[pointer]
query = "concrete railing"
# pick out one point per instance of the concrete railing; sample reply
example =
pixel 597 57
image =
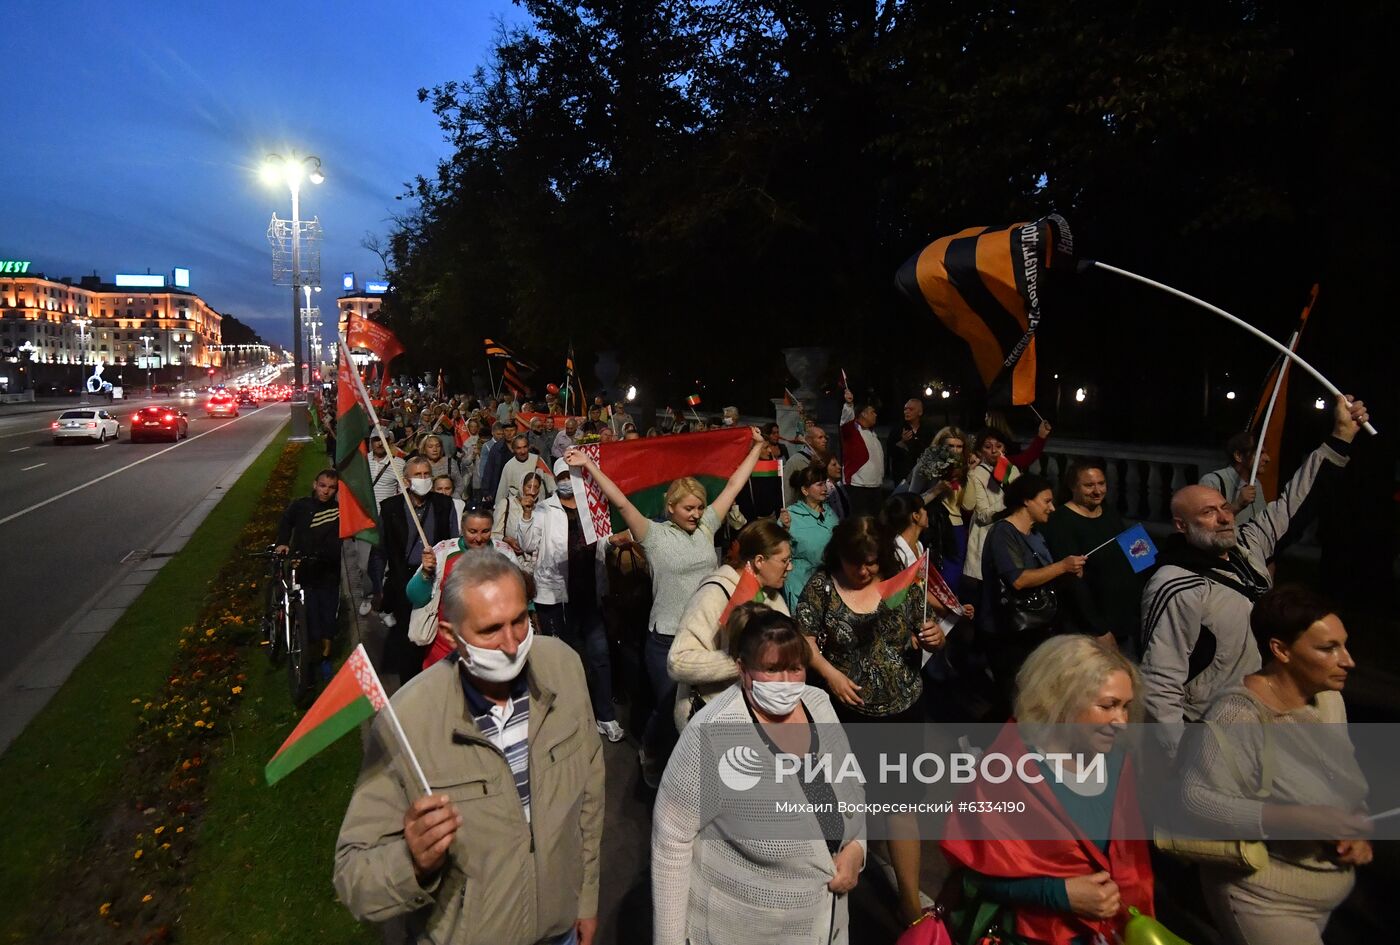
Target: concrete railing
pixel 22 397
pixel 1141 477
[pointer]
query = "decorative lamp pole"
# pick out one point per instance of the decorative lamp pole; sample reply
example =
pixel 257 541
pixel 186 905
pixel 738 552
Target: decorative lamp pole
pixel 292 170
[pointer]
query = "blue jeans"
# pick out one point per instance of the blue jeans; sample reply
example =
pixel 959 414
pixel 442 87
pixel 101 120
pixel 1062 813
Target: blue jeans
pixel 568 938
pixel 660 734
pixel 582 628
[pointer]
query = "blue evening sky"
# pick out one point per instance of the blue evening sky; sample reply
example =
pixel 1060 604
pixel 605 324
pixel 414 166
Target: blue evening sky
pixel 133 132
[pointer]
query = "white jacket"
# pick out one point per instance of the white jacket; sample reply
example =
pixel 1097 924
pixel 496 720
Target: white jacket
pixel 548 542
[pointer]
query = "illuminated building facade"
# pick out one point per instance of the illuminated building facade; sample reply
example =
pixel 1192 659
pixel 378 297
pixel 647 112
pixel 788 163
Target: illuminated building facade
pixel 58 322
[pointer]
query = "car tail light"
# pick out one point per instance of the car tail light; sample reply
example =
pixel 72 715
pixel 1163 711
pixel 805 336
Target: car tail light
pixel 54 425
pixel 168 417
pixel 92 424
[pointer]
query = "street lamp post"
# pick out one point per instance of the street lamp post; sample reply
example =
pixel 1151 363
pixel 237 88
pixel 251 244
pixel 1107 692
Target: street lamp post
pixel 148 339
pixel 290 170
pixel 185 362
pixel 82 324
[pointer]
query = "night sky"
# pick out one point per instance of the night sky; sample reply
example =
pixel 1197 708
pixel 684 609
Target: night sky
pixel 134 132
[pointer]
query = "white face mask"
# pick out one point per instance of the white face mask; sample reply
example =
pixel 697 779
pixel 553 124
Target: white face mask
pixel 777 699
pixel 564 486
pixel 421 485
pixel 495 666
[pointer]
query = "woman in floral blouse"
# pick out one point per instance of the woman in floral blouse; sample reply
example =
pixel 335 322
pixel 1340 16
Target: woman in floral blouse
pixel 868 654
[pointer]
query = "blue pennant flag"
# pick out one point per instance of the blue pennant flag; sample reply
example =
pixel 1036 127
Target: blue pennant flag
pixel 1137 545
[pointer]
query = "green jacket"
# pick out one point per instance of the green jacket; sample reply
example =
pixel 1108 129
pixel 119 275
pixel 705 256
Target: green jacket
pixel 506 881
pixel 809 538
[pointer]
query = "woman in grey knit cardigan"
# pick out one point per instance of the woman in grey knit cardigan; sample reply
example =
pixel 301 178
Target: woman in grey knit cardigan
pixel 1278 775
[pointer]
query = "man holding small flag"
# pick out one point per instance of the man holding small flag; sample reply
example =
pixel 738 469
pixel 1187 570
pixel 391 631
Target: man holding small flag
pixel 503 849
pixel 862 457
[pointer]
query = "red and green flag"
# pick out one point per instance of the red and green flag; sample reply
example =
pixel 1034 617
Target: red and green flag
pixel 767 469
pixel 894 590
pixel 693 400
pixel 747 591
pixel 643 469
pixel 355 694
pixel 356 494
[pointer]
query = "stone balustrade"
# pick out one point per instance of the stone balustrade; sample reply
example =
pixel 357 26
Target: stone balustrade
pixel 1141 477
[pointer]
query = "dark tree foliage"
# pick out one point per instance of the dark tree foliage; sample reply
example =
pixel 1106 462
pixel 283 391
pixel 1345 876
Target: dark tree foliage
pixel 698 184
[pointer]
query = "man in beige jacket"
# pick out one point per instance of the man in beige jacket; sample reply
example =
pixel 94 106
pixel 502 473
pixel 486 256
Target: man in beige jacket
pixel 504 850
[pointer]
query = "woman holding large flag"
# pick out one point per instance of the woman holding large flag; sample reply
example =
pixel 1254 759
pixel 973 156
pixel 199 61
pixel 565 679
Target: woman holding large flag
pixel 699 661
pixel 1068 865
pixel 681 552
pixel 866 635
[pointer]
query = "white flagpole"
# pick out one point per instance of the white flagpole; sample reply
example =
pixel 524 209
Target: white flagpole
pixel 1292 356
pixel 394 722
pixel 925 590
pixel 388 450
pixel 1269 412
pixel 1104 545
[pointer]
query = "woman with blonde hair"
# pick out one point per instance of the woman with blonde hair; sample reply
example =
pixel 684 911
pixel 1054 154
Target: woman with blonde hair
pixel 699 661
pixel 1075 794
pixel 681 552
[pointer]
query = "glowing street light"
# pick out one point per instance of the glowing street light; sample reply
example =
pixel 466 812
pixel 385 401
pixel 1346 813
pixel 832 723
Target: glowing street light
pixel 1319 404
pixel 291 171
pixel 1079 395
pixel 82 324
pixel 631 392
pixel 928 390
pixel 1229 395
pixel 945 395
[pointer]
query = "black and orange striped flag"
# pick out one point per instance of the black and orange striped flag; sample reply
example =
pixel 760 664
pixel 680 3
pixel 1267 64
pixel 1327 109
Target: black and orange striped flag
pixel 494 350
pixel 986 284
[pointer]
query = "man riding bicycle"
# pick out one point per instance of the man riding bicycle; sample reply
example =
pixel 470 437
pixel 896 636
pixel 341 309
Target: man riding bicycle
pixel 310 529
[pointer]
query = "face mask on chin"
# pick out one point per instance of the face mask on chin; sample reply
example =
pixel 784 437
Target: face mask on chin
pixel 420 485
pixel 494 666
pixel 777 699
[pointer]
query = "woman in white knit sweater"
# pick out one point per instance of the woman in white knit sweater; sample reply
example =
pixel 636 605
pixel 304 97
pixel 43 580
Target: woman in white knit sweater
pixel 718 874
pixel 699 660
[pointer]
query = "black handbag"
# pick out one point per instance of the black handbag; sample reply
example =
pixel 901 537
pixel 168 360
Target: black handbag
pixel 1033 610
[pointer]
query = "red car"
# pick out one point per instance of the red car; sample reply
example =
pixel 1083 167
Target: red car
pixel 159 423
pixel 222 404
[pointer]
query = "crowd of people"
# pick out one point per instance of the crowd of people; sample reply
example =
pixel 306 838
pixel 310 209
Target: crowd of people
pixel 507 628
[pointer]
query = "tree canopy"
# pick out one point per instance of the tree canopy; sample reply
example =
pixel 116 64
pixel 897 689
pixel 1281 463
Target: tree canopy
pixel 702 181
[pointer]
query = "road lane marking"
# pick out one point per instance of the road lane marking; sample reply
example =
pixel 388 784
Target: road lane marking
pixel 102 447
pixel 20 450
pixel 6 436
pixel 92 482
pixel 35 466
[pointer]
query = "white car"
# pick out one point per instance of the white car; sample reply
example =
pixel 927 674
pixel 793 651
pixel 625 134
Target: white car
pixel 88 423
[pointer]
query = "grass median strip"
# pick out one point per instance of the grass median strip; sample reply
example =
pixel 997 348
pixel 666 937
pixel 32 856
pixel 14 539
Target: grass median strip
pixel 261 870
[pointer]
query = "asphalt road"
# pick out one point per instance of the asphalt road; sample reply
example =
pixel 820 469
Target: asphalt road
pixel 73 517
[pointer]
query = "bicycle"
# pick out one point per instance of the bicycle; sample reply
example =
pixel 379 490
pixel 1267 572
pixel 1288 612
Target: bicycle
pixel 284 630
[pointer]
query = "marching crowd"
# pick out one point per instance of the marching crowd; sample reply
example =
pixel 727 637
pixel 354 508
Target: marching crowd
pixel 507 629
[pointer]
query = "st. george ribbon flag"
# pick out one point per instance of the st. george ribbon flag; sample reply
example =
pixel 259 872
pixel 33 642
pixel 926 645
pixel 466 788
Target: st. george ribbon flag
pixel 987 285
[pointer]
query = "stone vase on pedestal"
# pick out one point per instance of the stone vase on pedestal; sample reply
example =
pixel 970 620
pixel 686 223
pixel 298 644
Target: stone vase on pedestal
pixel 807 365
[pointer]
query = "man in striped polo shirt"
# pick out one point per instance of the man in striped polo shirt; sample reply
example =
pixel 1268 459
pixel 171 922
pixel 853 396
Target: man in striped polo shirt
pixel 504 849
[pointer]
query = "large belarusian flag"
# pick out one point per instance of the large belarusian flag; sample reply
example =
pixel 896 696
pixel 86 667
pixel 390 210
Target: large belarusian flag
pixel 895 589
pixel 354 695
pixel 643 469
pixel 356 495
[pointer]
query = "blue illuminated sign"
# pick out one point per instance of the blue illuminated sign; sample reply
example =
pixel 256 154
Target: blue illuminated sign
pixel 376 288
pixel 347 282
pixel 182 278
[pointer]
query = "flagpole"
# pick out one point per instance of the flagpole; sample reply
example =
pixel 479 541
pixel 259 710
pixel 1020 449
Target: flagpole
pixel 490 376
pixel 1317 375
pixel 388 450
pixel 925 590
pixel 1036 412
pixel 1268 414
pixel 393 717
pixel 1104 545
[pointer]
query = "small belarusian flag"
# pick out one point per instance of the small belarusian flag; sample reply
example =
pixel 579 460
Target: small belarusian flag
pixel 747 591
pixel 355 694
pixel 767 469
pixel 1001 470
pixel 894 590
pixel 693 400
